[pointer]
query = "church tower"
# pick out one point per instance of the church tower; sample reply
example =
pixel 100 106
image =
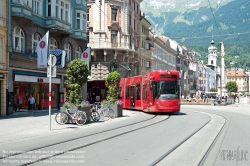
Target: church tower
pixel 212 55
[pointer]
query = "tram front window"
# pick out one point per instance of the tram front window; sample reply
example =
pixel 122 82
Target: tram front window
pixel 164 90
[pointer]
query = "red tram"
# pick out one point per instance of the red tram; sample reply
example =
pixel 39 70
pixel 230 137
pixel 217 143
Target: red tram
pixel 156 91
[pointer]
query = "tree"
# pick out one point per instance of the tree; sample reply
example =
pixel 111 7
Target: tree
pixel 213 90
pixel 112 82
pixel 231 86
pixel 77 73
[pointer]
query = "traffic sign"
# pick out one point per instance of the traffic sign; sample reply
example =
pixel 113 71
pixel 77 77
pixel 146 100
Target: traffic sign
pixel 53 60
pixel 51 71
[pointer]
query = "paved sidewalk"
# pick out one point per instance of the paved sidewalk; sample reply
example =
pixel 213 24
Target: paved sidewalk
pixel 25 125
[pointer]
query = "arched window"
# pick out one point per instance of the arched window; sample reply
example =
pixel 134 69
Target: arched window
pixel 78 52
pixel 18 39
pixel 67 49
pixel 35 39
pixel 52 44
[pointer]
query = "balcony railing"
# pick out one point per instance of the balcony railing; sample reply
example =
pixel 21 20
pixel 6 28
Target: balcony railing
pixel 24 54
pixel 107 44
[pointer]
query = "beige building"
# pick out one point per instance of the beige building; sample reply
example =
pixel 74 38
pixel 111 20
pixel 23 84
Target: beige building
pixel 145 52
pixel 241 78
pixel 3 56
pixel 114 38
pixel 164 56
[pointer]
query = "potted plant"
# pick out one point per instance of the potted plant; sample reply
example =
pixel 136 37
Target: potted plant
pixel 77 73
pixel 112 83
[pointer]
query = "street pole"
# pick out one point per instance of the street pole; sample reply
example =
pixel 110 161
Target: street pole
pixel 50 93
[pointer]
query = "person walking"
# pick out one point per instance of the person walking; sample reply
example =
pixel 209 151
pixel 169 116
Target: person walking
pixel 237 100
pixel 31 101
pixel 93 98
pixel 218 100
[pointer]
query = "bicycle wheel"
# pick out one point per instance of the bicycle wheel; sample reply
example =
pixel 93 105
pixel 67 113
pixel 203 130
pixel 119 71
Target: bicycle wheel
pixel 61 118
pixel 95 116
pixel 111 113
pixel 105 114
pixel 81 119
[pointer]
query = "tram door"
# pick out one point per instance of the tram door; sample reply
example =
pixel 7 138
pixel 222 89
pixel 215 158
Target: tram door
pixel 132 96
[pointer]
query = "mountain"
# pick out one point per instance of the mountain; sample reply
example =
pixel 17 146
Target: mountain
pixel 195 23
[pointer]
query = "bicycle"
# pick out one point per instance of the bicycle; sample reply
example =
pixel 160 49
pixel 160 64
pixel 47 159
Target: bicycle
pixel 94 114
pixel 79 117
pixel 106 112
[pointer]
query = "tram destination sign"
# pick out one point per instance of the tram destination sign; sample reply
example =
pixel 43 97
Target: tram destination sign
pixel 168 76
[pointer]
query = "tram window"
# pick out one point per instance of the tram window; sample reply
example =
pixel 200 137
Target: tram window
pixel 120 93
pixel 127 92
pixel 144 90
pixel 138 92
pixel 167 87
pixel 154 90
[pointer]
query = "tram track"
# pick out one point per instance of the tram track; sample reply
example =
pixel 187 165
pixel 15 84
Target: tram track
pixel 160 160
pixel 148 122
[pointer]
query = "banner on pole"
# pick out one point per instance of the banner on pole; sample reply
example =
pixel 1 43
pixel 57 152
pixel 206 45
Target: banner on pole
pixel 86 55
pixel 42 51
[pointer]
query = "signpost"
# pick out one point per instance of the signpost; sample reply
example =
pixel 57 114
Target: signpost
pixel 51 72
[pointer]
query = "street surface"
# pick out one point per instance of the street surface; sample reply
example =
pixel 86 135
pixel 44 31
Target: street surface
pixel 198 135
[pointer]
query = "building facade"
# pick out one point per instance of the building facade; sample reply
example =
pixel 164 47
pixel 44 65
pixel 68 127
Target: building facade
pixel 114 38
pixel 30 20
pixel 3 55
pixel 145 53
pixel 241 79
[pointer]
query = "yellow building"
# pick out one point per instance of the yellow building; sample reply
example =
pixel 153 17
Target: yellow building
pixel 3 56
pixel 145 52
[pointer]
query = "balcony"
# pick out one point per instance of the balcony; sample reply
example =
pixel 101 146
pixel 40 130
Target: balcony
pixel 20 9
pixel 112 45
pixel 24 55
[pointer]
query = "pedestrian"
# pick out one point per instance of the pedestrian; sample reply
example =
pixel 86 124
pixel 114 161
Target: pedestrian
pixel 225 99
pixel 31 102
pixel 218 100
pixel 205 98
pixel 88 98
pixel 236 100
pixel 93 98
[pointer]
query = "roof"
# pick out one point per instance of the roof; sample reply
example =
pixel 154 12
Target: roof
pixel 236 73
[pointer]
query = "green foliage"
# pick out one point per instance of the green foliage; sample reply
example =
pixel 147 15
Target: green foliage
pixel 213 90
pixel 197 36
pixel 232 86
pixel 231 51
pixel 77 73
pixel 112 82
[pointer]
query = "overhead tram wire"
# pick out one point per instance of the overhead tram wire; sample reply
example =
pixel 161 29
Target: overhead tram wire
pixel 213 16
pixel 234 34
pixel 184 37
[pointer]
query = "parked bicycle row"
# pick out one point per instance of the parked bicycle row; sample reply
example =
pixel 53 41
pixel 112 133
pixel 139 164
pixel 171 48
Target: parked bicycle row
pixel 98 112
